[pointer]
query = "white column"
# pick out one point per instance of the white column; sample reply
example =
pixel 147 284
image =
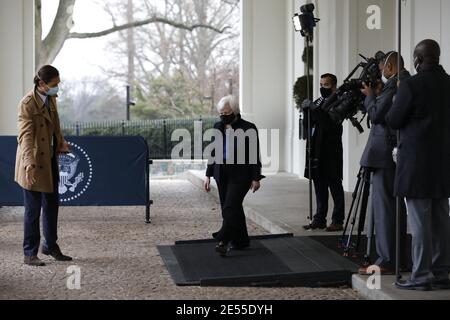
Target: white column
pixel 263 66
pixel 425 20
pixel 16 59
pixel 445 34
pixel 246 73
pixel 295 148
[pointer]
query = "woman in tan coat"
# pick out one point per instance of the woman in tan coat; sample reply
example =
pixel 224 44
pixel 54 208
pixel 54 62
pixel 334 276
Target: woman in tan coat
pixel 39 142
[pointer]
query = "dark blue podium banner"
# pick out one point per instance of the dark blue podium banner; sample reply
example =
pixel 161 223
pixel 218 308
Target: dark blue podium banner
pixel 100 171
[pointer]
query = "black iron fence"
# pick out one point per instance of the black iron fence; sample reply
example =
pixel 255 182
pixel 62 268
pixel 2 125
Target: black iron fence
pixel 158 133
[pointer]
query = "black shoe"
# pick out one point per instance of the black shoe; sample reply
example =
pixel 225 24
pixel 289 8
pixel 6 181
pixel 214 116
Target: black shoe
pixel 222 249
pixel 412 285
pixel 33 261
pixel 443 284
pixel 315 225
pixel 56 254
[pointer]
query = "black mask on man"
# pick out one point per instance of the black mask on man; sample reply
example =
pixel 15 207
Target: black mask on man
pixel 326 92
pixel 228 119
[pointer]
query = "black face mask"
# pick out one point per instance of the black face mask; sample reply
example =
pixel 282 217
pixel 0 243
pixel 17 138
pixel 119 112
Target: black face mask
pixel 228 119
pixel 326 92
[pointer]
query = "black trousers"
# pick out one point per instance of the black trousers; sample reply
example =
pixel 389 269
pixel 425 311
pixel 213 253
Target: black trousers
pixel 321 186
pixel 234 226
pixel 34 202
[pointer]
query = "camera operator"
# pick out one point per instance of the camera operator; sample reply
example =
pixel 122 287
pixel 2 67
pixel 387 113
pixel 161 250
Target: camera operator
pixel 377 158
pixel 327 158
pixel 421 112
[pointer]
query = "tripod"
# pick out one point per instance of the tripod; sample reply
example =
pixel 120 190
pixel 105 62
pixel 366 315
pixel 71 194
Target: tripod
pixel 359 205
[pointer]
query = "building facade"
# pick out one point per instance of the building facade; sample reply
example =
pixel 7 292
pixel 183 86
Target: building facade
pixel 270 60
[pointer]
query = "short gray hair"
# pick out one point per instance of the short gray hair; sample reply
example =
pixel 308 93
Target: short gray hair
pixel 231 101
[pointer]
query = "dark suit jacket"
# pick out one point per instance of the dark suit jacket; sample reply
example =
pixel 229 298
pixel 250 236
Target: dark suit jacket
pixel 382 139
pixel 239 173
pixel 421 112
pixel 326 144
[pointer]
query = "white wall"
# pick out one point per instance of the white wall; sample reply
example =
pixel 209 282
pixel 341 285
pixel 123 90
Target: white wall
pixel 426 20
pixel 16 58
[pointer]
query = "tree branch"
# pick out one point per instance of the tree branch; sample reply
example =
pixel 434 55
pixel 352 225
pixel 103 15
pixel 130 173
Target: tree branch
pixel 54 41
pixel 38 29
pixel 75 35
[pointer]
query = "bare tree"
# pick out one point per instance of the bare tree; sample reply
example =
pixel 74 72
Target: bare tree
pixel 163 51
pixel 48 48
pixel 207 60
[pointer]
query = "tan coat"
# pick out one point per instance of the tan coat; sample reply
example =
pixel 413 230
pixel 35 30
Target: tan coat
pixel 36 130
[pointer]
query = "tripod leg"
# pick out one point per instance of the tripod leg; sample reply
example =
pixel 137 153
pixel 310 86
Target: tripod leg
pixel 348 245
pixel 370 233
pixel 354 196
pixel 363 211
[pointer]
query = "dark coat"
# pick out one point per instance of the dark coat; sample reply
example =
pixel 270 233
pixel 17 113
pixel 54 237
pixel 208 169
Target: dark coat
pixel 421 112
pixel 239 173
pixel 326 142
pixel 382 139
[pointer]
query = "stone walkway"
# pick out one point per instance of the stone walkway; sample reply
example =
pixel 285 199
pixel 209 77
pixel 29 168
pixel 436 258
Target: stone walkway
pixel 116 252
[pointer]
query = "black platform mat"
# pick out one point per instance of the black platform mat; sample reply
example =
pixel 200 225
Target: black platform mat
pixel 333 243
pixel 281 260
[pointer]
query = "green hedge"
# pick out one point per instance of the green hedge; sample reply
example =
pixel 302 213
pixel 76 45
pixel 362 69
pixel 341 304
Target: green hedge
pixel 158 133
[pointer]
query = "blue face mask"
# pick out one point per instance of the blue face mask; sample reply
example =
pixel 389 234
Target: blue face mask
pixel 53 91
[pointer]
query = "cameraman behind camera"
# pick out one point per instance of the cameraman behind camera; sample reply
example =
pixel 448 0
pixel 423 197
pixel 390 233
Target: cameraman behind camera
pixel 377 158
pixel 327 158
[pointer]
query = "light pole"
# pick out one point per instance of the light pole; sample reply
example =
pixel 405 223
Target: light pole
pixel 129 102
pixel 305 23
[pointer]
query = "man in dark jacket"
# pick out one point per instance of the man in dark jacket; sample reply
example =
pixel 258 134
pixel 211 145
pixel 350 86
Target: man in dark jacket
pixel 377 158
pixel 422 114
pixel 327 159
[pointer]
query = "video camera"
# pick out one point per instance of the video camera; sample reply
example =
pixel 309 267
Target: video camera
pixel 305 22
pixel 345 103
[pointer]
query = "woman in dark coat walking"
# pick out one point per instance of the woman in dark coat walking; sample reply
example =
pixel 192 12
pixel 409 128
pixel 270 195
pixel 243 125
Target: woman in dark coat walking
pixel 236 169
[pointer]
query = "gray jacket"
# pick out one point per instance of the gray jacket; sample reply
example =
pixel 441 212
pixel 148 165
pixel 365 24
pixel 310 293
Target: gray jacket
pixel 382 139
